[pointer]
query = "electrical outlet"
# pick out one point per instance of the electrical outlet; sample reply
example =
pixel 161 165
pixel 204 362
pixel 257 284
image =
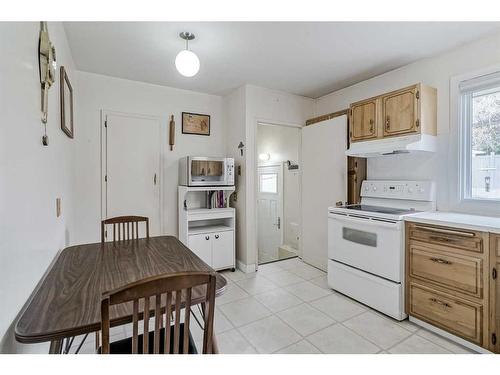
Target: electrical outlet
pixel 58 207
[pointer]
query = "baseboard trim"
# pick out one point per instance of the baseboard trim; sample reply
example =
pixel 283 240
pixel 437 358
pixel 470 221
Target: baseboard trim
pixel 449 336
pixel 246 268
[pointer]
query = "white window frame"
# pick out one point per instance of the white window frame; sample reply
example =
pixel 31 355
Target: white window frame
pixel 464 89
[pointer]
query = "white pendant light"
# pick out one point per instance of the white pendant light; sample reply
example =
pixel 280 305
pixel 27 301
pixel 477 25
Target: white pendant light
pixel 186 62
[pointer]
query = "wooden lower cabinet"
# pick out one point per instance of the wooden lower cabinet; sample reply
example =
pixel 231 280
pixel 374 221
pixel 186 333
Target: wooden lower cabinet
pixel 494 313
pixel 456 315
pixel 450 281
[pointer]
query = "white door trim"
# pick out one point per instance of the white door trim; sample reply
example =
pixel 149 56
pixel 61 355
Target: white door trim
pixel 256 180
pixel 162 148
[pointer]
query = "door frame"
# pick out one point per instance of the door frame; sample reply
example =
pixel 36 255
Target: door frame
pixel 104 152
pixel 256 181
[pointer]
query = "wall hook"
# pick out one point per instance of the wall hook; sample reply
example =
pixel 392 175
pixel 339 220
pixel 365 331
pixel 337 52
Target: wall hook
pixel 240 147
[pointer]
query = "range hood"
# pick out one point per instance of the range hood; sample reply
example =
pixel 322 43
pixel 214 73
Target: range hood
pixel 415 143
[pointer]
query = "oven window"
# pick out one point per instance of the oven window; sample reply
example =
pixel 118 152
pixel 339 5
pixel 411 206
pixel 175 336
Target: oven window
pixel 359 236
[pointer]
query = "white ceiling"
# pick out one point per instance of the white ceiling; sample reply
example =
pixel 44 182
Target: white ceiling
pixel 306 58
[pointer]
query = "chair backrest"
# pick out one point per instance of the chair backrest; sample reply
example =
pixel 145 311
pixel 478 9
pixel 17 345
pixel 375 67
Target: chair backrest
pixel 124 227
pixel 147 300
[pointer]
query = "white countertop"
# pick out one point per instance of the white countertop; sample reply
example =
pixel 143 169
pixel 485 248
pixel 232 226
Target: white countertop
pixel 453 219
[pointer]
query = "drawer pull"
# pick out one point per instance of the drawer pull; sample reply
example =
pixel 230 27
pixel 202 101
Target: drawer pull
pixel 216 236
pixel 440 261
pixel 445 231
pixel 444 304
pixel 441 239
pixel 207 237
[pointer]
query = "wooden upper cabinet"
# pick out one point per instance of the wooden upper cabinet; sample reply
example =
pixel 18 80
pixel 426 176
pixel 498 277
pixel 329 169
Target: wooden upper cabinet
pixel 411 110
pixel 400 112
pixel 363 122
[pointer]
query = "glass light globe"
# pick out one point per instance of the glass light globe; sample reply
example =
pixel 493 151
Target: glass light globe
pixel 187 63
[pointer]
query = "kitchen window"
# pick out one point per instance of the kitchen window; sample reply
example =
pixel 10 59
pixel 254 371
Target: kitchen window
pixel 480 137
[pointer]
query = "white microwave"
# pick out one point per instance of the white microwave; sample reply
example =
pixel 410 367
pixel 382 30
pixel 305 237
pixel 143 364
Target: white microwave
pixel 206 171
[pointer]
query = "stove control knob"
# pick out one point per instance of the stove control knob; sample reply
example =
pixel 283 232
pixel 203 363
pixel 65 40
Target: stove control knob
pixel 367 188
pixel 410 190
pixel 421 190
pixel 374 188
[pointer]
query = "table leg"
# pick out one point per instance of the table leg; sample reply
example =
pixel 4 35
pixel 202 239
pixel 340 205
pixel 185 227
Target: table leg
pixel 55 346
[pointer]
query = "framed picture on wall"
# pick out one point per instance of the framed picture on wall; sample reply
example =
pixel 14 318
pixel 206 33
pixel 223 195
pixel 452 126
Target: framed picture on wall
pixel 195 123
pixel 66 104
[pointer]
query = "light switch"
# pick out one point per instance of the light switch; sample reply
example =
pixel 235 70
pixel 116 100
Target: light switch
pixel 58 207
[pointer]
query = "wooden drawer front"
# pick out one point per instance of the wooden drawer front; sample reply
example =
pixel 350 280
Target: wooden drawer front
pixel 449 237
pixel 458 272
pixel 496 244
pixel 460 317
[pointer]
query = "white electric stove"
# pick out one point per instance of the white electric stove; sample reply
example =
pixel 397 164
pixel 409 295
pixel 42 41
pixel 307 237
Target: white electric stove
pixel 366 242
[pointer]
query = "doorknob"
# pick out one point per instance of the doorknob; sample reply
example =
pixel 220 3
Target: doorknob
pixel 278 224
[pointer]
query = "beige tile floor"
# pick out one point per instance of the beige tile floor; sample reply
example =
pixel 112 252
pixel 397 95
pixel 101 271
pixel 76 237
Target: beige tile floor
pixel 287 307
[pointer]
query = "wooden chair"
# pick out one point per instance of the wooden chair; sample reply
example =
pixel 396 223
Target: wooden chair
pixel 124 227
pixel 147 295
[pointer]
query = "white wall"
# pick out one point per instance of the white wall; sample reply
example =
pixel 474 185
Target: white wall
pixel 274 107
pixel 244 108
pixel 234 106
pixel 282 143
pixel 437 71
pixel 98 92
pixel 31 176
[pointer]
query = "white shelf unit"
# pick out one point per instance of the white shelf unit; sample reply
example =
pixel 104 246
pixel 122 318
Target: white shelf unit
pixel 208 232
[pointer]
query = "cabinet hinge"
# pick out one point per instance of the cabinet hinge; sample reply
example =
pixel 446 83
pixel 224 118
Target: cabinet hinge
pixel 106 178
pixel 417 95
pixel 494 338
pixel 494 273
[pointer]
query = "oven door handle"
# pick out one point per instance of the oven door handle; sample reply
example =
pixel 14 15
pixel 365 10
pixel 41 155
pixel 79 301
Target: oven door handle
pixel 365 221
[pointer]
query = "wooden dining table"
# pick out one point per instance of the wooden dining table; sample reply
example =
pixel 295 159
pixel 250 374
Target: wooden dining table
pixel 67 302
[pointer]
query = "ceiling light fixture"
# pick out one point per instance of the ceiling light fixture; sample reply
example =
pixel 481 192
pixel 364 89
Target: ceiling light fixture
pixel 186 62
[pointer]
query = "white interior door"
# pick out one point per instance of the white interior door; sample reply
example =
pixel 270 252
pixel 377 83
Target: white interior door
pixel 269 211
pixel 133 168
pixel 324 182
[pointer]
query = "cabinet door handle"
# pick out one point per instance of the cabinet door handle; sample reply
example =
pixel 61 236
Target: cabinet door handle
pixel 435 300
pixel 441 239
pixel 440 261
pixel 371 125
pixel 207 237
pixel 445 231
pixel 387 123
pixel 216 236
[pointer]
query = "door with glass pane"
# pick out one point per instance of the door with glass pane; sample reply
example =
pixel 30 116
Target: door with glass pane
pixel 270 212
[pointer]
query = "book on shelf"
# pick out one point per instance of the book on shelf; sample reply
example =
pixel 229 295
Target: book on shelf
pixel 216 199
